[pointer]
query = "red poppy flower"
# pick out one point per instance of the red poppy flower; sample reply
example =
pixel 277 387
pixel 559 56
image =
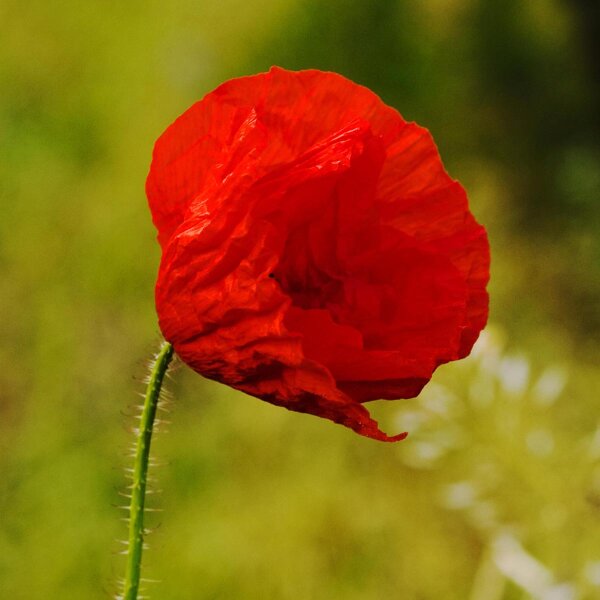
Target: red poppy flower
pixel 316 254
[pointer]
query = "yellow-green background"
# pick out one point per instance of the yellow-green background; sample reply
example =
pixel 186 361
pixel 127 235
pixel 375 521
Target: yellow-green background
pixel 502 464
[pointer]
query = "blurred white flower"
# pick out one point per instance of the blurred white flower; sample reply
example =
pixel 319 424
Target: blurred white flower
pixel 519 566
pixel 422 455
pixel 562 591
pixel 459 495
pixel 513 374
pixel 592 572
pixel 488 344
pixel 549 386
pixel 410 420
pixel 440 400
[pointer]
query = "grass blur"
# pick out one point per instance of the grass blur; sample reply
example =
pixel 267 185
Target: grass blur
pixel 496 493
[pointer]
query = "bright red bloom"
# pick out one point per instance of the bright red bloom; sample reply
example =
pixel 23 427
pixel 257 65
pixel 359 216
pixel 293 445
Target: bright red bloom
pixel 316 254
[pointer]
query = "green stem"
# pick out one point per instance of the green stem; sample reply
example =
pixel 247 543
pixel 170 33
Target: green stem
pixel 140 472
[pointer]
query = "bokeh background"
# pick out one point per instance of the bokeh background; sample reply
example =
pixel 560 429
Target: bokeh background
pixel 496 493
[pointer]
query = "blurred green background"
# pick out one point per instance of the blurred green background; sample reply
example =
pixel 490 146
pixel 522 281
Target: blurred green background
pixel 496 493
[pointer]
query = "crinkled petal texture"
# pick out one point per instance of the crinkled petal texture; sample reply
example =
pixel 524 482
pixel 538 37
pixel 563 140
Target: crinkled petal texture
pixel 315 252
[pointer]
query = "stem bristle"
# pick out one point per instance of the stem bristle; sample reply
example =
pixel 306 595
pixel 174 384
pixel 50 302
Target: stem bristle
pixel 155 398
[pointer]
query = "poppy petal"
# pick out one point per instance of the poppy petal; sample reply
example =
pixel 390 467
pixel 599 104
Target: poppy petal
pixel 316 254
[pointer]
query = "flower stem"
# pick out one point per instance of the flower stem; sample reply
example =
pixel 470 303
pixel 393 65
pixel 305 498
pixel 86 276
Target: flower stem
pixel 140 472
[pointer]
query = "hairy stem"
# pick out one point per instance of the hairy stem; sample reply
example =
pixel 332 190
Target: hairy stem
pixel 140 472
